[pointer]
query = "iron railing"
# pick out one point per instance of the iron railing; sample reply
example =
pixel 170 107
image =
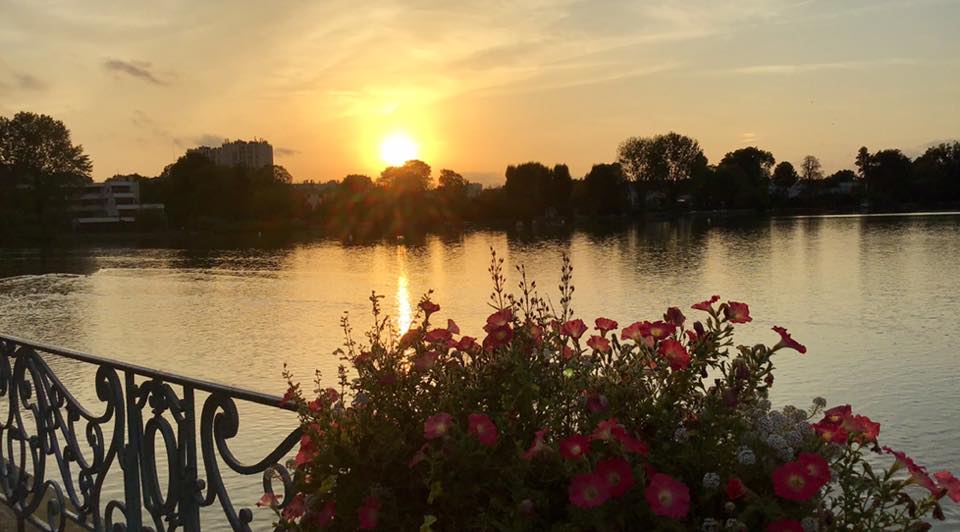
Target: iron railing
pixel 42 423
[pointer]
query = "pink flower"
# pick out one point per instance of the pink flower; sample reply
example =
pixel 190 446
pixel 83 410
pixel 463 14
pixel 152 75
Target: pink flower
pixel 536 332
pixel 918 473
pixel 499 318
pixel 467 344
pixel 863 428
pixel 288 398
pixel 588 490
pixel 787 341
pixel 785 525
pixel 574 447
pixel 536 446
pixel 634 332
pixel 599 344
pixel 294 508
pixel 498 337
pixel 950 483
pixel 425 361
pixel 674 316
pixel 607 430
pixel 369 513
pixel 308 449
pixel 573 328
pixel 418 456
pixel 659 330
pixel 596 402
pixel 706 305
pixel 605 325
pixel 437 426
pixel 830 432
pixel 618 475
pixel 676 355
pixel 453 327
pixel 483 429
pixel 268 500
pixel 790 481
pixel 438 336
pixel 632 444
pixel 837 414
pixel 667 496
pixel 816 468
pixel 429 307
pixel 737 312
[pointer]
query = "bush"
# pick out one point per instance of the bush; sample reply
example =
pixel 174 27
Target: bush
pixel 544 425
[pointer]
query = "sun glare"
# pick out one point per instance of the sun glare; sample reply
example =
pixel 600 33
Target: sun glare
pixel 398 148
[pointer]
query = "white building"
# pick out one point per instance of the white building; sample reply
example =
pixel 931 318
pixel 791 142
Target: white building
pixel 113 202
pixel 255 153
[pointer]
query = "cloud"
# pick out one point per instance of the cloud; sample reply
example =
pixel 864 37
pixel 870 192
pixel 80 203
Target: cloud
pixel 800 68
pixel 285 152
pixel 748 138
pixel 137 69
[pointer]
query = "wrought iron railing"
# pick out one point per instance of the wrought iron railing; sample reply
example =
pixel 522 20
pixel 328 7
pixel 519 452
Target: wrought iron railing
pixel 44 426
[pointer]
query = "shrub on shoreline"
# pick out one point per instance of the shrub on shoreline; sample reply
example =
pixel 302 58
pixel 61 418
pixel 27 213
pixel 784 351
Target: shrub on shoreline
pixel 549 424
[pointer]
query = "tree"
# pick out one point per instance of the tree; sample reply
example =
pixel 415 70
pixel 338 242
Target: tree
pixel 810 168
pixel 888 177
pixel 603 189
pixel 741 180
pixel 785 175
pixel 662 158
pixel 863 161
pixel 937 173
pixel 413 176
pixel 451 180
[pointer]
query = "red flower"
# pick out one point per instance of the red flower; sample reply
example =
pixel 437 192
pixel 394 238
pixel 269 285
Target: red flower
pixel 467 344
pixel 425 361
pixel 498 337
pixel 617 474
pixel 737 312
pixel 785 525
pixel 735 488
pixel 837 414
pixel 950 483
pixel 308 449
pixel 596 402
pixel 675 353
pixel 483 429
pixel 573 328
pixel 607 429
pixel 268 500
pixel 605 325
pixel 499 318
pixel 706 305
pixel 631 444
pixel 429 307
pixel 599 343
pixel 409 338
pixel 438 335
pixel 863 428
pixel 667 496
pixel 659 329
pixel 573 447
pixel 290 395
pixel 816 468
pixel 453 327
pixel 790 481
pixel 787 341
pixel 536 332
pixel 674 316
pixel 831 433
pixel 918 473
pixel 633 332
pixel 437 426
pixel 536 446
pixel 588 490
pixel 369 513
pixel 294 508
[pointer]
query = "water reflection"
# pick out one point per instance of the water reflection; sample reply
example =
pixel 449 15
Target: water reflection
pixel 404 314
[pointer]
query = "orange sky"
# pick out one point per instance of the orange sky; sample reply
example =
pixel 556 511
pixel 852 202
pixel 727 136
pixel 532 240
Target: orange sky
pixel 485 84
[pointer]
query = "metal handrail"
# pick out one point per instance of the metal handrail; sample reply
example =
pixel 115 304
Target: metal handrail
pixel 45 420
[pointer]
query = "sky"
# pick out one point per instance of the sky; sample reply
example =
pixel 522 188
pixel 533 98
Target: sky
pixel 480 85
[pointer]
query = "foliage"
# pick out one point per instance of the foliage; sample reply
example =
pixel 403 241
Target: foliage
pixel 811 169
pixel 661 158
pixel 412 177
pixel 546 425
pixel 785 175
pixel 604 190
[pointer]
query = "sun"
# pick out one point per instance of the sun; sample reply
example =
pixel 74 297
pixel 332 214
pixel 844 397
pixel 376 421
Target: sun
pixel 398 148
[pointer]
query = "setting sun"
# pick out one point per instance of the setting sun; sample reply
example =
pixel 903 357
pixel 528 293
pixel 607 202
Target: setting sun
pixel 398 148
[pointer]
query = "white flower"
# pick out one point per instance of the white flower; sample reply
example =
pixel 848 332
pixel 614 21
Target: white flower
pixel 765 424
pixel 746 457
pixel 730 507
pixel 734 524
pixel 776 441
pixel 711 481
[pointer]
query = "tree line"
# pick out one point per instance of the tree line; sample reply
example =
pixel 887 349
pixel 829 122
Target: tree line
pixel 40 166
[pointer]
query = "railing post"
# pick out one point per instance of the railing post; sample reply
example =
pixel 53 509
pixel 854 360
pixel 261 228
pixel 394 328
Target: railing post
pixel 190 492
pixel 131 457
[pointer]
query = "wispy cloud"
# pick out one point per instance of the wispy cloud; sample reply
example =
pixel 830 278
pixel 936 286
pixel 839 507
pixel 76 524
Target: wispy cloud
pixel 748 138
pixel 285 152
pixel 137 69
pixel 801 68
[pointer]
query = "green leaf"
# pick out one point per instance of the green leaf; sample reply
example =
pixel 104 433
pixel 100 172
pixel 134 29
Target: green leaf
pixel 436 490
pixel 428 521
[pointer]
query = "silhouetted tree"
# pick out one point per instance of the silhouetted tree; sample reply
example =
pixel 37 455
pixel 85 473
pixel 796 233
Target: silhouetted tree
pixel 672 157
pixel 937 173
pixel 604 190
pixel 741 180
pixel 785 175
pixel 528 189
pixel 863 161
pixel 887 176
pixel 413 176
pixel 810 168
pixel 451 180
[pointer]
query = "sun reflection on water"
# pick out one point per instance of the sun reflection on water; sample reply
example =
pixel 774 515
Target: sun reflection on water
pixel 404 314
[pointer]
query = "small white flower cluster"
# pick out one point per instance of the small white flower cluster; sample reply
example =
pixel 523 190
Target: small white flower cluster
pixel 734 524
pixel 782 431
pixel 711 481
pixel 745 456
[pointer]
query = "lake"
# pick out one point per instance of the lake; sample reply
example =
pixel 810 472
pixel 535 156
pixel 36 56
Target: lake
pixel 876 299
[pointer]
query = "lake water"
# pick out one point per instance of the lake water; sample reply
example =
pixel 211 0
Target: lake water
pixel 875 298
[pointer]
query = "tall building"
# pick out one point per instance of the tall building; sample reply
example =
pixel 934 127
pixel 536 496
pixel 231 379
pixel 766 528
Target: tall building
pixel 255 153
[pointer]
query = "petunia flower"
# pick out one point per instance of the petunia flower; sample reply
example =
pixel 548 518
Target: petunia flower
pixel 605 325
pixel 676 355
pixel 573 328
pixel 428 307
pixel 735 488
pixel 294 508
pixel 453 327
pixel 675 316
pixel 737 312
pixel 467 344
pixel 634 332
pixel 918 473
pixel 588 490
pixel 369 513
pixel 499 318
pixel 658 330
pixel 483 429
pixel 816 468
pixel 498 337
pixel 438 336
pixel 830 432
pixel 667 496
pixel 790 482
pixel 537 446
pixel 787 341
pixel 618 475
pixel 599 344
pixel 607 430
pixel 706 305
pixel 425 361
pixel 437 425
pixel 573 447
pixel 268 500
pixel 947 481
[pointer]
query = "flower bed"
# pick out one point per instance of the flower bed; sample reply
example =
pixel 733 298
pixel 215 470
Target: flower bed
pixel 546 423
